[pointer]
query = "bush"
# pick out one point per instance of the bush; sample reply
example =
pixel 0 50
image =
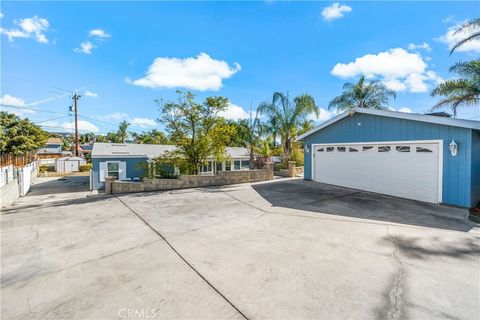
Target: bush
pixel 43 168
pixel 85 167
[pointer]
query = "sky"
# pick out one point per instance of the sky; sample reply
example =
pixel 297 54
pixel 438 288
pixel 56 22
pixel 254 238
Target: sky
pixel 121 56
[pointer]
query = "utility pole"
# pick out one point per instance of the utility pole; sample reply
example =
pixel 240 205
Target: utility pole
pixel 75 106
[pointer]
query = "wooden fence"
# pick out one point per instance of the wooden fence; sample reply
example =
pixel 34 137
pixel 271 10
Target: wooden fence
pixel 7 159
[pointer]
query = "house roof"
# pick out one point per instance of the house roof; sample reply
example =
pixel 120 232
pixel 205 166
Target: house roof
pixel 134 150
pixel 54 141
pixel 470 124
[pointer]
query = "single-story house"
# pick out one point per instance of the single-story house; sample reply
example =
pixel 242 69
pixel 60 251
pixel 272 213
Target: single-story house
pixel 51 151
pixel 127 161
pixel 421 157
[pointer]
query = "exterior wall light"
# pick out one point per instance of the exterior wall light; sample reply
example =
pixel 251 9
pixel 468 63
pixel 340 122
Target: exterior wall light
pixel 307 149
pixel 453 147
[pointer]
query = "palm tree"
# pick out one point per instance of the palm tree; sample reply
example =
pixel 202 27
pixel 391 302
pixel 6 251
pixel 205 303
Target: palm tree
pixel 463 91
pixel 363 94
pixel 289 116
pixel 252 130
pixel 122 133
pixel 474 26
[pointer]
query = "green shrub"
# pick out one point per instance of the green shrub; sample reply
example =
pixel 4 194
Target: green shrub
pixel 43 168
pixel 85 167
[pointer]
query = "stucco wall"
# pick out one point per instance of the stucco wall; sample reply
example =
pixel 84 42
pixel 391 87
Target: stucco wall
pixel 222 178
pixel 457 171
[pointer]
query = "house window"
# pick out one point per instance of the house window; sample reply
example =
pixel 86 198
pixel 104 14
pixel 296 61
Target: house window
pixel 236 164
pixel 367 148
pixel 402 148
pixel 383 148
pixel 228 165
pixel 352 149
pixel 219 166
pixel 320 150
pixel 330 149
pixel 113 169
pixel 341 149
pixel 245 164
pixel 207 167
pixel 422 149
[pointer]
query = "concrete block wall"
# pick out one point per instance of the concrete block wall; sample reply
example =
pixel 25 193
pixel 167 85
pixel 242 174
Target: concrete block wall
pixel 222 178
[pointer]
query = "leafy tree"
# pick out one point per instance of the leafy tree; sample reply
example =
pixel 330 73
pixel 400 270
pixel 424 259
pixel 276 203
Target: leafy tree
pixel 472 25
pixel 363 94
pixel 288 116
pixel 240 138
pixel 101 138
pixel 153 136
pixel 20 136
pixel 464 91
pixel 196 129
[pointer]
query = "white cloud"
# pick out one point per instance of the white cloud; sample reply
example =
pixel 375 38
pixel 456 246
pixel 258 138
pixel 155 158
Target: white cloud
pixel 234 112
pixel 85 47
pixel 90 94
pixel 323 115
pixel 83 125
pixel 398 69
pixel 451 38
pixel 403 109
pixel 14 102
pixel 98 33
pixel 335 11
pixel 143 122
pixel 197 73
pixel 425 46
pixel 29 28
pixel 1 15
pixel 117 116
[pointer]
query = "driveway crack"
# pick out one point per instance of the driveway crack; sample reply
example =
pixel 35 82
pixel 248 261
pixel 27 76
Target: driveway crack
pixel 396 292
pixel 184 259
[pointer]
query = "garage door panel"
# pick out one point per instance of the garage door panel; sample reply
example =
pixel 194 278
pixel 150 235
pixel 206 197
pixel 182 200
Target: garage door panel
pixel 410 174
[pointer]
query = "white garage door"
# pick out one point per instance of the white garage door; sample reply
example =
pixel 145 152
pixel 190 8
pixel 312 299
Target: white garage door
pixel 407 170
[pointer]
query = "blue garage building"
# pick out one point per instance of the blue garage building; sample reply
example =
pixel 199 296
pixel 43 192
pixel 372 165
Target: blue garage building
pixel 421 157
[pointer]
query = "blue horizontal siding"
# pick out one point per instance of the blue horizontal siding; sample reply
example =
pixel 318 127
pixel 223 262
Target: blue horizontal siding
pixel 457 171
pixel 133 166
pixel 475 167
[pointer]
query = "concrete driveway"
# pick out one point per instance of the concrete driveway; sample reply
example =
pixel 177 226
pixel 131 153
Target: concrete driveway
pixel 286 249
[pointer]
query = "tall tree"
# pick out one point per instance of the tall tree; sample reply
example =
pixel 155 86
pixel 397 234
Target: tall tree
pixel 288 116
pixel 153 136
pixel 122 133
pixel 363 94
pixel 19 136
pixel 471 30
pixel 196 129
pixel 464 91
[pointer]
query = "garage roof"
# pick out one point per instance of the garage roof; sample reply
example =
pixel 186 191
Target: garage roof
pixel 135 150
pixel 470 124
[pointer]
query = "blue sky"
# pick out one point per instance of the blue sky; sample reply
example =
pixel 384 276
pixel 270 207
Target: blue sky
pixel 123 55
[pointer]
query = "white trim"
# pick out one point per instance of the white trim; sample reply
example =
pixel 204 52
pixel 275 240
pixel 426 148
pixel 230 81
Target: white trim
pixel 440 156
pixel 470 124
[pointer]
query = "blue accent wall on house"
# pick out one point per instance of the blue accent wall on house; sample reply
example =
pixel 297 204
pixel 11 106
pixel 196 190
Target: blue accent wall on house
pixel 133 166
pixel 460 173
pixel 475 167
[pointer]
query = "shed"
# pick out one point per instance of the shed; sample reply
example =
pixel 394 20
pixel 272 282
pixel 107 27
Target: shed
pixel 421 157
pixel 69 164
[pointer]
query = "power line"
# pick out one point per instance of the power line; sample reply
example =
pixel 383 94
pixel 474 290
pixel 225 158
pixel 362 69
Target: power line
pixel 25 108
pixel 37 122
